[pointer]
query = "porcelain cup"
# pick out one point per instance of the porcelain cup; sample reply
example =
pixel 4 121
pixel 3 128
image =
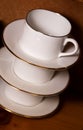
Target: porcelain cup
pixel 45 35
pixel 32 73
pixel 21 97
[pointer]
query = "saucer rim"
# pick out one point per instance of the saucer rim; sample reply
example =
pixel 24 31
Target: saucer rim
pixel 35 93
pixel 57 69
pixel 56 102
pixel 37 64
pixel 29 84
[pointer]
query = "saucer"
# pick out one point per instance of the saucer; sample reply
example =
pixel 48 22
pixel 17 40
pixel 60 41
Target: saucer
pixel 46 107
pixel 11 36
pixel 54 86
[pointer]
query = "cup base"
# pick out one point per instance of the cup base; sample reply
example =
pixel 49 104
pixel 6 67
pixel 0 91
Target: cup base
pixel 20 97
pixel 32 73
pixel 38 111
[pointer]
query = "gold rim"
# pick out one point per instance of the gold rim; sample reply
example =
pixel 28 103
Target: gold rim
pixel 34 94
pixel 56 69
pixel 27 116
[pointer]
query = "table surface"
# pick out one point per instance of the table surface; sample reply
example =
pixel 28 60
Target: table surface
pixel 70 112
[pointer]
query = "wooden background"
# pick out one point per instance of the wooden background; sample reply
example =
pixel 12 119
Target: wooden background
pixel 70 114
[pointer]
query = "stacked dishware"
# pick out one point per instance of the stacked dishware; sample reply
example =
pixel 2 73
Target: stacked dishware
pixel 34 63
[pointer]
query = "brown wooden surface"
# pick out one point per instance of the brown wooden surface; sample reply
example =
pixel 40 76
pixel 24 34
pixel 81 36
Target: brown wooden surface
pixel 70 114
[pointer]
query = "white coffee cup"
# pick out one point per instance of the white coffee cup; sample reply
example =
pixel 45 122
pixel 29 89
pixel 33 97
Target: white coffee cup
pixel 21 97
pixel 45 35
pixel 32 73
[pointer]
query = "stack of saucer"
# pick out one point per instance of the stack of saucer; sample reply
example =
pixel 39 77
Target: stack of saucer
pixel 34 62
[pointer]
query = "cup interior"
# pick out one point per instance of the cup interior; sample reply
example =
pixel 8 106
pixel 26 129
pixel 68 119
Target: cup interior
pixel 49 23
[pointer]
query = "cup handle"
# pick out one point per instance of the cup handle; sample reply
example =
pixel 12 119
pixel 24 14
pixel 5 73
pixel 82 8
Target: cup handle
pixel 74 42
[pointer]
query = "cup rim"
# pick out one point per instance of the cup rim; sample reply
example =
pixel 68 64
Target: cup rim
pixel 45 34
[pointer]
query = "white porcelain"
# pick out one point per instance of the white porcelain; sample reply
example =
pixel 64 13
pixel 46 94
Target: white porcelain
pixel 54 86
pixel 45 35
pixel 21 97
pixel 32 73
pixel 11 36
pixel 45 107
